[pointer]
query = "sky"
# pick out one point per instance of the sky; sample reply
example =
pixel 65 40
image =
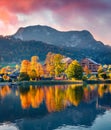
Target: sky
pixel 64 15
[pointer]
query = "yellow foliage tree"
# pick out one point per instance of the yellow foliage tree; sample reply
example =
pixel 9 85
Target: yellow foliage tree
pixel 25 67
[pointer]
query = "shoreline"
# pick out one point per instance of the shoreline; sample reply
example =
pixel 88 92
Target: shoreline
pixel 56 82
pixel 50 82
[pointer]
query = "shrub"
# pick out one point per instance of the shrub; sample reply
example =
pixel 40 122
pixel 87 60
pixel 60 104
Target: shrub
pixel 84 77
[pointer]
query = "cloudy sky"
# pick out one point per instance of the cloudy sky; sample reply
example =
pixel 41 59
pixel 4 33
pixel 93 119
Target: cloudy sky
pixel 92 15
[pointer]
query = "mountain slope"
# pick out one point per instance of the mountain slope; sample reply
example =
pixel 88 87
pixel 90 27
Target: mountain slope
pixel 16 50
pixel 79 39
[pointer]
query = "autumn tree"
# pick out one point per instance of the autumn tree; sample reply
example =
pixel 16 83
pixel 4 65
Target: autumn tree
pixel 33 75
pixel 74 70
pixel 25 67
pixel 49 63
pixel 3 71
pixel 36 69
pixel 39 70
pixel 34 61
pixel 54 65
pixel 86 70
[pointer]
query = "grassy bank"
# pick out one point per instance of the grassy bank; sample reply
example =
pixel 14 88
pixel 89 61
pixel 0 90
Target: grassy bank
pixel 108 81
pixel 50 82
pixel 56 82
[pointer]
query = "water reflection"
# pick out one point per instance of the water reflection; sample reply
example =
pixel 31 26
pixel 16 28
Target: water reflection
pixel 56 98
pixel 38 107
pixel 4 91
pixel 8 127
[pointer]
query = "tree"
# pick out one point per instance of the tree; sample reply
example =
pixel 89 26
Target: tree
pixel 24 76
pixel 102 73
pixel 3 71
pixel 74 70
pixel 34 61
pixel 86 70
pixel 54 64
pixel 33 75
pixel 59 67
pixel 49 62
pixel 17 67
pixel 100 69
pixel 25 67
pixel 39 70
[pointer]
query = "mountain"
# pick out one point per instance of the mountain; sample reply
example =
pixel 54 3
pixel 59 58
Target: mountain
pixel 78 39
pixel 76 44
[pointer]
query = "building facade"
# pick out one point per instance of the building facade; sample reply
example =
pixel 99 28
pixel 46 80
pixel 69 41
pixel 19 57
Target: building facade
pixel 91 64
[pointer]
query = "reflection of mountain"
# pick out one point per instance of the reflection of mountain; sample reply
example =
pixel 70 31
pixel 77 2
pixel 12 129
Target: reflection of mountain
pixel 85 114
pixel 70 105
pixel 105 102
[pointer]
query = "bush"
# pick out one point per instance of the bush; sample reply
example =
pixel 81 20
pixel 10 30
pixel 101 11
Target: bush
pixel 93 77
pixel 103 75
pixel 84 77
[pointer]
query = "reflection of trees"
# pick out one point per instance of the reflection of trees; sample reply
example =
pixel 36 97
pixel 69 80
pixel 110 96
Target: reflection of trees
pixel 56 97
pixel 102 89
pixel 33 97
pixel 4 91
pixel 74 94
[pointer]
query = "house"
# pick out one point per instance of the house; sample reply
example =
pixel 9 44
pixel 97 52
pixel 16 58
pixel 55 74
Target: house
pixel 67 60
pixel 91 64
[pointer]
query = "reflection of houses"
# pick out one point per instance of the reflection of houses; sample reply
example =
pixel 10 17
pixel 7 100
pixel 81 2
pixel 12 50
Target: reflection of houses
pixel 104 102
pixel 91 64
pixel 90 95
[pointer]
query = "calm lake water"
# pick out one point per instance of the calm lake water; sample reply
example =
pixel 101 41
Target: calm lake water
pixel 61 107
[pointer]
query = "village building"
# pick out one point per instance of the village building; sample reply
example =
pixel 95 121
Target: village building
pixel 91 64
pixel 67 60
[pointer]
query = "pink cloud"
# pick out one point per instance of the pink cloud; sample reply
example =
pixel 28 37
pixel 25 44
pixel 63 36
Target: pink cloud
pixel 68 14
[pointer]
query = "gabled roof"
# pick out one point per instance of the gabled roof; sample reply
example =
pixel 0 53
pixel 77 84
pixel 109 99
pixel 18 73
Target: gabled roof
pixel 93 61
pixel 66 60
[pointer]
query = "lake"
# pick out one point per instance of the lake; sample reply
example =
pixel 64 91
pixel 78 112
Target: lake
pixel 60 107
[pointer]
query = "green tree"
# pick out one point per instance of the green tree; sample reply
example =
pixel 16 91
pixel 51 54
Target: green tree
pixel 100 69
pixel 102 73
pixel 24 77
pixel 33 75
pixel 74 70
pixel 59 67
